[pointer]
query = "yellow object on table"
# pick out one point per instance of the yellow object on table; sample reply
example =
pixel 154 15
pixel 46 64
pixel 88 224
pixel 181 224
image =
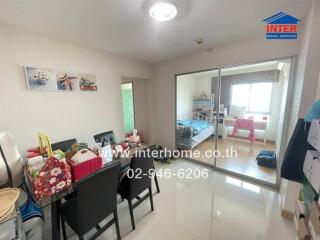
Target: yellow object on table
pixel 45 144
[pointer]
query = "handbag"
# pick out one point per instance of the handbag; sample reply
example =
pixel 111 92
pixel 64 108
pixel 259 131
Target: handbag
pixel 53 177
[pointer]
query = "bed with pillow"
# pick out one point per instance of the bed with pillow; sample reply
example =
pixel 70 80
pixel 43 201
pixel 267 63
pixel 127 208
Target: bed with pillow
pixel 191 133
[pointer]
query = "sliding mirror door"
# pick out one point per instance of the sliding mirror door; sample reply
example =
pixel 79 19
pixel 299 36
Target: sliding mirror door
pixel 254 98
pixel 235 118
pixel 197 106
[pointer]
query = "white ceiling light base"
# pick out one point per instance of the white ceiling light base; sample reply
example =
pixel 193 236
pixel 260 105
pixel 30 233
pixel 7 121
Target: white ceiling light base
pixel 163 11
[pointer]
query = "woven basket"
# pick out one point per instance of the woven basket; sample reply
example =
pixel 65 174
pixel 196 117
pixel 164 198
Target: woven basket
pixel 8 197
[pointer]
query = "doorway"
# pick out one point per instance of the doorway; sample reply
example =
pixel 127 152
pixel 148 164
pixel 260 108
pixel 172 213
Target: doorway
pixel 128 107
pixel 233 118
pixel 140 90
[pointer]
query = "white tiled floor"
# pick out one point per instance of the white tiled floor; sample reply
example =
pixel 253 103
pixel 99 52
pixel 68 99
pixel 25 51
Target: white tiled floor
pixel 219 208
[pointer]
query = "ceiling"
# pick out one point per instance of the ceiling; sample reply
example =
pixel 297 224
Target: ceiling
pixel 124 26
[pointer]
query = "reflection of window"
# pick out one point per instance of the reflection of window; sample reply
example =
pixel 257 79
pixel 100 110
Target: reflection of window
pixel 255 96
pixel 244 185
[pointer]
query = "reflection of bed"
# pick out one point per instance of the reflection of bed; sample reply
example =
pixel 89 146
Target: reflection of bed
pixel 190 133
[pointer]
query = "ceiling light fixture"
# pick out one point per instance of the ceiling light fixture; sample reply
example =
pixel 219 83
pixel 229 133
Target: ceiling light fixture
pixel 163 11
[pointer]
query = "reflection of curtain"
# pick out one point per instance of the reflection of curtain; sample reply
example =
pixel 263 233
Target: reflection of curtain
pixel 227 81
pixel 128 110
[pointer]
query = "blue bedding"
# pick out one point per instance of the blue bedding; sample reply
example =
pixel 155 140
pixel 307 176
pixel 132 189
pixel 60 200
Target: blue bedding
pixel 197 125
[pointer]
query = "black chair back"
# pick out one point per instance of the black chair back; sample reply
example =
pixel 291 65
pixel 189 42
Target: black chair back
pixel 97 197
pixel 65 146
pixel 142 167
pixel 107 137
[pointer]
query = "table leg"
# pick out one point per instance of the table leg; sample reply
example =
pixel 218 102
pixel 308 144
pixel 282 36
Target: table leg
pixel 55 220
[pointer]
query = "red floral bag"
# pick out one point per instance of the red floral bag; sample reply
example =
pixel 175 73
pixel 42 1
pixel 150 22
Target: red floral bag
pixel 54 177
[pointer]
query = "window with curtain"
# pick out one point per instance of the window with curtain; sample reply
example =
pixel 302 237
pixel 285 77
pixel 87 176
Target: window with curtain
pixel 255 96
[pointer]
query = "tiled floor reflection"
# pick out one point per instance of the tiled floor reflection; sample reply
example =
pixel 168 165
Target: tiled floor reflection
pixel 219 207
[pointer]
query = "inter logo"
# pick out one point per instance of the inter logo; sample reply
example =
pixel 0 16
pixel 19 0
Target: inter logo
pixel 282 26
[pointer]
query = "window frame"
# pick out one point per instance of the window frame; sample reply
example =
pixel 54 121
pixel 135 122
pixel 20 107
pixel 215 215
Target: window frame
pixel 251 83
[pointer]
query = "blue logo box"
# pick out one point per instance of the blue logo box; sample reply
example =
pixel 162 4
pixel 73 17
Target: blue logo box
pixel 281 35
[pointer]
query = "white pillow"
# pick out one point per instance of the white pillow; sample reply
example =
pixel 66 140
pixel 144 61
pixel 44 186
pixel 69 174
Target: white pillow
pixel 14 159
pixel 237 111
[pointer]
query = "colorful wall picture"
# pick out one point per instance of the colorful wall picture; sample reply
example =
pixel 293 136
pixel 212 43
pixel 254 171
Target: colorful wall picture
pixel 67 81
pixel 43 79
pixel 40 79
pixel 87 82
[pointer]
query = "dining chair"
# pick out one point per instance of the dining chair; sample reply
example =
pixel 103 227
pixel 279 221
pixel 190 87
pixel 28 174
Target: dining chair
pixel 96 199
pixel 155 151
pixel 137 180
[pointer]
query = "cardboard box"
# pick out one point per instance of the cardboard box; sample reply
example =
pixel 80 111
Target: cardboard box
pixel 302 228
pixel 314 222
pixel 311 169
pixel 300 210
pixel 301 221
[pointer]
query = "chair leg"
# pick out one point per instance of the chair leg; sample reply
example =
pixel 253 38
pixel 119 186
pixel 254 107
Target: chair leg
pixel 131 214
pixel 64 232
pixel 116 221
pixel 156 182
pixel 81 238
pixel 151 198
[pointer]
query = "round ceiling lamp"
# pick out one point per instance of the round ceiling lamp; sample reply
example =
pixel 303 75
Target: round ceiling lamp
pixel 163 11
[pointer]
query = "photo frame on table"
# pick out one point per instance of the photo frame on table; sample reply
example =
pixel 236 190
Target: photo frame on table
pixel 48 80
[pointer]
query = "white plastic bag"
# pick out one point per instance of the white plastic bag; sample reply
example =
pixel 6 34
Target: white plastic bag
pixel 106 154
pixel 14 160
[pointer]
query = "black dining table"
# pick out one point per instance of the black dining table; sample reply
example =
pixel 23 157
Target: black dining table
pixel 55 200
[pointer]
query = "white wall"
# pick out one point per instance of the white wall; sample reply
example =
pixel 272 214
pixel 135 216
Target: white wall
pixel 312 63
pixel 305 89
pixel 188 87
pixel 275 108
pixel 282 124
pixel 305 82
pixel 242 52
pixel 204 84
pixel 318 89
pixel 61 115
